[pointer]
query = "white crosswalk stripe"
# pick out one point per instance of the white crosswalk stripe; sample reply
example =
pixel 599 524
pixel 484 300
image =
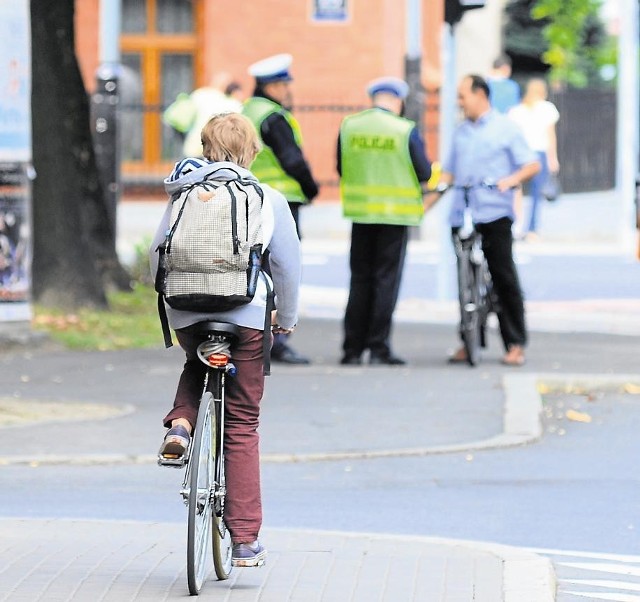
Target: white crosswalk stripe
pixel 595 576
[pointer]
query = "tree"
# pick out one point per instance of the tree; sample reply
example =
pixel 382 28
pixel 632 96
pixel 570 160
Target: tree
pixel 74 257
pixel 573 33
pixel 523 39
pixel 563 37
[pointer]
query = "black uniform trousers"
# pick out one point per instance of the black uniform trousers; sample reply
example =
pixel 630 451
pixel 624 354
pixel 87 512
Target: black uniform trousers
pixel 376 261
pixel 497 246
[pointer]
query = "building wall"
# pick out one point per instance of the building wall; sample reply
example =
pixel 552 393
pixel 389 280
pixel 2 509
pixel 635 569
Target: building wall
pixel 332 61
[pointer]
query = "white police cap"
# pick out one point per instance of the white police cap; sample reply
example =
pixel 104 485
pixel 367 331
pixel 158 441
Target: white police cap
pixel 390 85
pixel 272 69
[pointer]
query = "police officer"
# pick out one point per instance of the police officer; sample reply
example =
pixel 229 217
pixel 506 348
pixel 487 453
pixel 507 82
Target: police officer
pixel 281 163
pixel 382 163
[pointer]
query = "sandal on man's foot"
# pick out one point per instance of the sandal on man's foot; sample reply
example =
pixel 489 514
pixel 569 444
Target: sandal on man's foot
pixel 459 357
pixel 175 443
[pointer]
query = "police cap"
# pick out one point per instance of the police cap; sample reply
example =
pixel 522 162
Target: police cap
pixel 272 69
pixel 389 85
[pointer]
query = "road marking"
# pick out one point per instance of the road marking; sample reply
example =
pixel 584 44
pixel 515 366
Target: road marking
pixel 600 564
pixel 606 596
pixel 632 587
pixel 601 567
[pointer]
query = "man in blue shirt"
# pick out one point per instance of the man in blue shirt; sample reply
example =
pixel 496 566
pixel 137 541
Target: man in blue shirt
pixel 487 146
pixel 504 92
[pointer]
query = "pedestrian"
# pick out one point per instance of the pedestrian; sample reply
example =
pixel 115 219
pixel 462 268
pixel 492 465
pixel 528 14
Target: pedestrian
pixel 488 146
pixel 230 144
pixel 281 162
pixel 504 92
pixel 538 118
pixel 382 163
pixel 207 101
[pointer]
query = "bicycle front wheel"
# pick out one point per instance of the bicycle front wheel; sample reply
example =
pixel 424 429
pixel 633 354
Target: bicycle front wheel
pixel 469 308
pixel 200 494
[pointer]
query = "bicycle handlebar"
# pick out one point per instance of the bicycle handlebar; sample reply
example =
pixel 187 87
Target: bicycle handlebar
pixel 487 184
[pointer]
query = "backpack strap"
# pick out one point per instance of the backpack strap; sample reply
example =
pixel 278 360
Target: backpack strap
pixel 164 322
pixel 159 286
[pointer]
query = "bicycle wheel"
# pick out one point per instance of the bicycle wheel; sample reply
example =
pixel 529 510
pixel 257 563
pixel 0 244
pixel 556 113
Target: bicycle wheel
pixel 200 488
pixel 485 293
pixel 469 299
pixel 220 536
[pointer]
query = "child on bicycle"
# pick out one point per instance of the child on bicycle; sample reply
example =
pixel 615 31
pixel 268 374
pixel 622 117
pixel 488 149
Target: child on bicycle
pixel 229 146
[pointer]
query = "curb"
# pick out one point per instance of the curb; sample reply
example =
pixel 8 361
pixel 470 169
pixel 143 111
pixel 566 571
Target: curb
pixel 521 425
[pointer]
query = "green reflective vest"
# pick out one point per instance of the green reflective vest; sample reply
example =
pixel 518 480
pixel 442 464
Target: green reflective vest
pixel 379 183
pixel 266 166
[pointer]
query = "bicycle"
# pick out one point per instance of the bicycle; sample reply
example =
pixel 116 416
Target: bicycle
pixel 475 287
pixel 203 489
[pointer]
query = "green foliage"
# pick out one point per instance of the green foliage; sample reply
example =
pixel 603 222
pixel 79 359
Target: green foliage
pixel 140 270
pixel 131 322
pixel 574 38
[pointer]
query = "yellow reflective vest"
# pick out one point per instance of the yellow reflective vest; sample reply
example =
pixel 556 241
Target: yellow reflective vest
pixel 266 166
pixel 379 183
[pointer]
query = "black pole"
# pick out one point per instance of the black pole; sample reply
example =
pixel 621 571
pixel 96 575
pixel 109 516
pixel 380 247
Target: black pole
pixel 105 125
pixel 414 104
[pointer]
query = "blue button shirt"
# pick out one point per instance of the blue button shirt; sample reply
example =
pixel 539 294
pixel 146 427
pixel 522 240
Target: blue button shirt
pixel 488 149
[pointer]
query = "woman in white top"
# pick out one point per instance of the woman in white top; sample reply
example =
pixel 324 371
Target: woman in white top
pixel 538 117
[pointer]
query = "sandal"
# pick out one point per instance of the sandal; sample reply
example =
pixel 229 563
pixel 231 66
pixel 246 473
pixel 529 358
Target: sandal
pixel 175 444
pixel 514 357
pixel 459 357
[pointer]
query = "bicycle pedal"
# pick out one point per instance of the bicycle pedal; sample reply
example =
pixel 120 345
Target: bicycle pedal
pixel 178 462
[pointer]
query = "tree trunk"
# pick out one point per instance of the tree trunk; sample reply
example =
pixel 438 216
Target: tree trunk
pixel 74 246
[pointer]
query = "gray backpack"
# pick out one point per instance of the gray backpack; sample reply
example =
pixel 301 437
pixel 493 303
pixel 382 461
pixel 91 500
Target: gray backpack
pixel 211 257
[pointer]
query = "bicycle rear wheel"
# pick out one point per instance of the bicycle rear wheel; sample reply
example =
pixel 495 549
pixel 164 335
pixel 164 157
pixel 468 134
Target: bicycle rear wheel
pixel 200 494
pixel 468 296
pixel 220 536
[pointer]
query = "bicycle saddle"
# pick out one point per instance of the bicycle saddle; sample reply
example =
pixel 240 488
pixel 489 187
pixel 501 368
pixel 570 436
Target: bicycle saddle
pixel 208 327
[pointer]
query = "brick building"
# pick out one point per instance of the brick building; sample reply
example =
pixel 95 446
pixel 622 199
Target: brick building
pixel 171 46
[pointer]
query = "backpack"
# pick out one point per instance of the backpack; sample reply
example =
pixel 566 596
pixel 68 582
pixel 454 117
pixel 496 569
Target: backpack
pixel 211 257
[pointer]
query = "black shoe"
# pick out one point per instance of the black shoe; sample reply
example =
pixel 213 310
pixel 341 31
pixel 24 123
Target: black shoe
pixel 350 359
pixel 388 360
pixel 288 356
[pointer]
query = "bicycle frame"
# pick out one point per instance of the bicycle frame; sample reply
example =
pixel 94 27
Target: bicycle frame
pixel 474 282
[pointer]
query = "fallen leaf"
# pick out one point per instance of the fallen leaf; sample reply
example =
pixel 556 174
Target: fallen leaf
pixel 632 389
pixel 578 416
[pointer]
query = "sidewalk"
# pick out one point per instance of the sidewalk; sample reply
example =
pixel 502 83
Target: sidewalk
pixel 78 561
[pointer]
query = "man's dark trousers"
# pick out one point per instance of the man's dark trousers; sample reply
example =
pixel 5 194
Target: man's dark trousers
pixel 497 246
pixel 376 261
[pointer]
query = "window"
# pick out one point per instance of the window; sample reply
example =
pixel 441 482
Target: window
pixel 159 60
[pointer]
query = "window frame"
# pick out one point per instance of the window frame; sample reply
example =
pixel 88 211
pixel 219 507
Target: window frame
pixel 151 45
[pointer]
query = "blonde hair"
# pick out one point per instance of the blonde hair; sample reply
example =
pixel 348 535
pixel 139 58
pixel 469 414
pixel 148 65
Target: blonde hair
pixel 230 137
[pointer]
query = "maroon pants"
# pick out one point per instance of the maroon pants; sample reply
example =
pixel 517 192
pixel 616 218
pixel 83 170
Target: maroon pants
pixel 243 505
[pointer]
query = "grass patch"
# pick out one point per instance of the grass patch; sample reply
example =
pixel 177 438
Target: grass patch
pixel 130 322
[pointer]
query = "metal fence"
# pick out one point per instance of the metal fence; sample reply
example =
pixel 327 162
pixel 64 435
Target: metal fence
pixel 586 140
